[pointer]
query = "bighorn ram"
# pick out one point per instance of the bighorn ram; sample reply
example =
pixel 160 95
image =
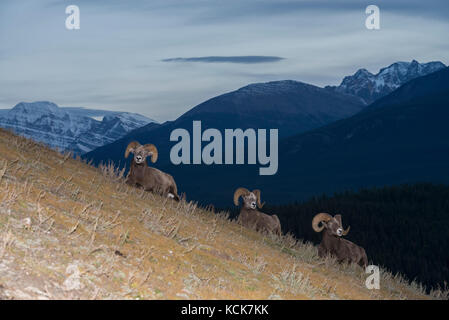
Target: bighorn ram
pixel 151 179
pixel 251 217
pixel 332 242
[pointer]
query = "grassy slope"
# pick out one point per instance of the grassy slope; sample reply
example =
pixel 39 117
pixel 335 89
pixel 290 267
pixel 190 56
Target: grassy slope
pixel 59 216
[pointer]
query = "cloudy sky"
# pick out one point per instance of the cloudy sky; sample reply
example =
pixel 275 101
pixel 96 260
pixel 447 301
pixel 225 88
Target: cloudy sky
pixel 162 57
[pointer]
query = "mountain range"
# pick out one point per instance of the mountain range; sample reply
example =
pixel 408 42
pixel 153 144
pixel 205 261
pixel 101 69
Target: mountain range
pixel 76 129
pixel 371 87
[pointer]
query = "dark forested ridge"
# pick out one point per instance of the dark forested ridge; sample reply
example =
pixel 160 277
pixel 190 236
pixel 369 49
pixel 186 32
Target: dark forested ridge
pixel 403 228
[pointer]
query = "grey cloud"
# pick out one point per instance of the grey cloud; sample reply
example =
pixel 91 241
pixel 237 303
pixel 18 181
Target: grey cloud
pixel 228 59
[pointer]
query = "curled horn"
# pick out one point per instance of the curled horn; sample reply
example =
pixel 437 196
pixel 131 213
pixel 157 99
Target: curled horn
pixel 238 193
pixel 151 148
pixel 320 217
pixel 257 193
pixel 131 147
pixel 338 218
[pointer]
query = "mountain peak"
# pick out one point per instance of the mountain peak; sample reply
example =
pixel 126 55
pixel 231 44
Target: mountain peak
pixel 272 86
pixel 35 110
pixel 37 105
pixel 363 72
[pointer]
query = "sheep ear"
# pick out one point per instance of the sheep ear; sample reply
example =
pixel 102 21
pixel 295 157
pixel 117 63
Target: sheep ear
pixel 338 218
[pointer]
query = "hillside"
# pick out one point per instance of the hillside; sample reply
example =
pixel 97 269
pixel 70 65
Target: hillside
pixel 71 231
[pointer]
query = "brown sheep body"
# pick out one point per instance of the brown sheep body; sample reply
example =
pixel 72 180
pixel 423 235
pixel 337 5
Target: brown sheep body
pixel 150 179
pixel 332 243
pixel 251 217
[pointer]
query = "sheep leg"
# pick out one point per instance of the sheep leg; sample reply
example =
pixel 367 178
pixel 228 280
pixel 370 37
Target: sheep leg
pixel 173 194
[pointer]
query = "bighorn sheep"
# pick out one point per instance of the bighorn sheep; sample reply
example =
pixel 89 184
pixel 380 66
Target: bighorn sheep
pixel 151 179
pixel 332 242
pixel 251 217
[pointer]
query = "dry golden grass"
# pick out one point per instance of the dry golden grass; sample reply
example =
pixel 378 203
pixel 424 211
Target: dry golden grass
pixel 69 230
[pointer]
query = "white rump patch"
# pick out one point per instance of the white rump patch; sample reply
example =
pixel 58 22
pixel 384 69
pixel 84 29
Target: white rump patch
pixel 171 195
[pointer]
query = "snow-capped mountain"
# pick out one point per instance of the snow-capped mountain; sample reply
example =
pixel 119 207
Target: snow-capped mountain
pixel 76 129
pixel 371 87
